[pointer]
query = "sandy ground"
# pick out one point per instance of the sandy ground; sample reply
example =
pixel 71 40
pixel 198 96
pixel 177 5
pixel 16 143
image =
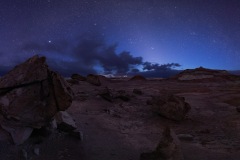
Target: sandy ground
pixel 122 130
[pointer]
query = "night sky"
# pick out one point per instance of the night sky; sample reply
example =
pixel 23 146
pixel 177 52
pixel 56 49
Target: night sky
pixel 121 36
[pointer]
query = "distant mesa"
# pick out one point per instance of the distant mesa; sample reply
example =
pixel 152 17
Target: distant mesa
pixel 204 74
pixel 138 78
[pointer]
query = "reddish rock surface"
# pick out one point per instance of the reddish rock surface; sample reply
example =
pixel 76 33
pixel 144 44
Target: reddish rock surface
pixel 30 95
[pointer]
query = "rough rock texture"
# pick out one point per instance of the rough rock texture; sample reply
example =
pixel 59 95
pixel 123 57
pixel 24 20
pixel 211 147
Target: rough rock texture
pixel 30 95
pixel 93 79
pixel 170 106
pixel 167 149
pixel 65 122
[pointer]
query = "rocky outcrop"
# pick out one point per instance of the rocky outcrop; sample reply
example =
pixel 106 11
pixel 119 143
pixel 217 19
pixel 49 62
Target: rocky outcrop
pixel 170 106
pixel 93 79
pixel 137 78
pixel 204 74
pixel 30 95
pixel 167 149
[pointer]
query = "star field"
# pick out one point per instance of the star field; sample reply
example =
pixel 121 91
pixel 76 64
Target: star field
pixel 121 36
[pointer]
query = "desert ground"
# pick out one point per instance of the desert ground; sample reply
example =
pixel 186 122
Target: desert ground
pixel 122 129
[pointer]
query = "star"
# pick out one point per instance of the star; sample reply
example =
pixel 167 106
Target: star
pixel 49 41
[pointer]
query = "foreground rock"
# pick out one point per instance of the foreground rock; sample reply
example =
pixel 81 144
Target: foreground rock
pixel 170 106
pixel 30 95
pixel 65 122
pixel 167 149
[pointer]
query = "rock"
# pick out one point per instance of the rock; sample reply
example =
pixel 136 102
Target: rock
pixel 138 78
pixel 137 91
pixel 170 106
pixel 36 151
pixel 106 94
pixel 65 122
pixel 167 149
pixel 53 124
pixel 18 134
pixel 185 137
pixel 76 134
pixel 93 79
pixel 30 95
pixel 78 77
pixel 121 94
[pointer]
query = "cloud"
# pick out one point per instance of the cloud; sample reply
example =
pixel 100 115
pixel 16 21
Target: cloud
pixel 90 54
pixel 157 67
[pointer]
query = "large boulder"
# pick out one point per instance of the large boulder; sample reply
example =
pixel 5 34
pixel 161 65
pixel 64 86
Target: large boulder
pixel 30 95
pixel 170 106
pixel 168 148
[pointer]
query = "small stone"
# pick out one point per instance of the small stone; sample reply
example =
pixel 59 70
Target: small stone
pixel 36 151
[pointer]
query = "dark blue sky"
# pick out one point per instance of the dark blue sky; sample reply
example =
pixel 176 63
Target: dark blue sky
pixel 119 36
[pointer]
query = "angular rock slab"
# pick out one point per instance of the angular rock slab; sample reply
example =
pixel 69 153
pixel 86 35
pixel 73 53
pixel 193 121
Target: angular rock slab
pixel 31 94
pixel 65 122
pixel 170 106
